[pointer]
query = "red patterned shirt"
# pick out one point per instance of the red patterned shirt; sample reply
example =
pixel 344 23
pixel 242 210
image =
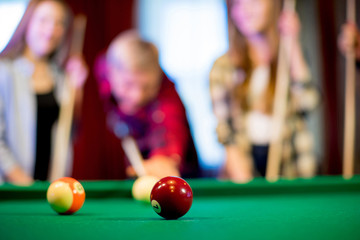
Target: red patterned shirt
pixel 159 128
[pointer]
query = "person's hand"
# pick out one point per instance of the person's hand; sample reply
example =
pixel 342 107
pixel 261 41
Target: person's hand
pixel 238 167
pixel 77 71
pixel 289 28
pixel 289 25
pixel 18 177
pixel 349 39
pixel 158 166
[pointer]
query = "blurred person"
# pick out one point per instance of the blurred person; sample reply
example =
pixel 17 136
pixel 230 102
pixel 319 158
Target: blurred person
pixel 140 98
pixel 242 85
pixel 32 70
pixel 349 39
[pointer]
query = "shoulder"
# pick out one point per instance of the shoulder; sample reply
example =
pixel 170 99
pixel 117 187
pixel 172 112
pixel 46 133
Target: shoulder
pixel 6 77
pixel 167 83
pixel 6 66
pixel 222 63
pixel 224 77
pixel 168 91
pixel 168 95
pixel 14 68
pixel 222 70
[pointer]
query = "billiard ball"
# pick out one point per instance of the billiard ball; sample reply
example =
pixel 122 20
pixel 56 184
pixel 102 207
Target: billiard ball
pixel 142 187
pixel 171 197
pixel 65 195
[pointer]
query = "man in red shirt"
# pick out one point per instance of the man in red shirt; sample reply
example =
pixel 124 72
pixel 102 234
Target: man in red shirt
pixel 143 103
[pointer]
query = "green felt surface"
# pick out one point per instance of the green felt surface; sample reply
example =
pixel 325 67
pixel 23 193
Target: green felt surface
pixel 320 208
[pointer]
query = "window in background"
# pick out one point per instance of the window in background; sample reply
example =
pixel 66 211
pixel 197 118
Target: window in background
pixel 10 15
pixel 190 36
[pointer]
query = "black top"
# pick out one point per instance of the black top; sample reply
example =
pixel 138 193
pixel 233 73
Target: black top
pixel 47 114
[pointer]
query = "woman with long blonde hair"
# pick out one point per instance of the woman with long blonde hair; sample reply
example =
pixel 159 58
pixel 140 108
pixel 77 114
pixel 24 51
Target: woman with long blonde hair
pixel 242 84
pixel 32 68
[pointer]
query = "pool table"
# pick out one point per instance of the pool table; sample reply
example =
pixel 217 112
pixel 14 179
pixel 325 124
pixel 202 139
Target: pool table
pixel 326 207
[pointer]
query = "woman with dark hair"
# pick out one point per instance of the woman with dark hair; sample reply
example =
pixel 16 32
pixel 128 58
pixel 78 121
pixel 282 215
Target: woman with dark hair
pixel 242 84
pixel 31 82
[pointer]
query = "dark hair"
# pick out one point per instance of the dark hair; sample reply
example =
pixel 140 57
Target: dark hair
pixel 17 43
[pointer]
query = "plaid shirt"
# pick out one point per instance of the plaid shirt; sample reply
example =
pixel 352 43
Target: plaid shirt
pixel 232 129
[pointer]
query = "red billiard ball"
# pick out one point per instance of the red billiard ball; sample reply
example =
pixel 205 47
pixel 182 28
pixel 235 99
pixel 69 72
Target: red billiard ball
pixel 171 197
pixel 65 195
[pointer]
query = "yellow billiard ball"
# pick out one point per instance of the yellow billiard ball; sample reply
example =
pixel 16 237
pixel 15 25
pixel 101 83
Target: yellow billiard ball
pixel 65 195
pixel 142 187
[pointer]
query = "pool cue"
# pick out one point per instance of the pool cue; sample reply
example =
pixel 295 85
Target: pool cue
pixel 62 140
pixel 349 128
pixel 280 102
pixel 134 155
pixel 129 145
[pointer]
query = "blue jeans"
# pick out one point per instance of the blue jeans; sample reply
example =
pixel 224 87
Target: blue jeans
pixel 260 155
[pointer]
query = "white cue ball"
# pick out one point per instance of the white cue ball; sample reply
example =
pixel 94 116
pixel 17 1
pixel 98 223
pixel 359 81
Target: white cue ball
pixel 142 187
